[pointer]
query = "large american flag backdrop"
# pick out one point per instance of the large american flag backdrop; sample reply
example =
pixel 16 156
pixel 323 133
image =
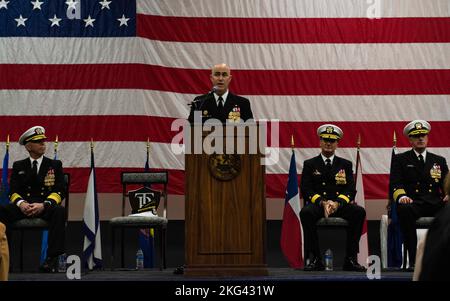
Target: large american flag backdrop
pixel 126 69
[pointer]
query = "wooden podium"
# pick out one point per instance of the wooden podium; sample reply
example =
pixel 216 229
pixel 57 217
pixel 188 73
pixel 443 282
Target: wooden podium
pixel 225 220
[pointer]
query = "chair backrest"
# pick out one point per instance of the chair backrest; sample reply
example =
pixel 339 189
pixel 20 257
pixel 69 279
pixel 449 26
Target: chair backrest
pixel 145 178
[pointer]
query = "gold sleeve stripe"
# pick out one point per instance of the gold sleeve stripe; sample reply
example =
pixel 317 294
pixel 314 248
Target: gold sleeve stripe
pixel 314 198
pixel 344 197
pixel 398 193
pixel 15 197
pixel 54 196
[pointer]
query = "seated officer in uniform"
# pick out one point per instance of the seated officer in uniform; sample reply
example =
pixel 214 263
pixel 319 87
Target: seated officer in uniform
pixel 328 189
pixel 36 190
pixel 416 180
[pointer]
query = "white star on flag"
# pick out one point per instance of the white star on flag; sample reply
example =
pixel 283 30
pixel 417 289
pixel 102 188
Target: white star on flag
pixel 55 21
pixel 4 4
pixel 123 21
pixel 37 4
pixel 105 4
pixel 21 21
pixel 89 21
pixel 71 4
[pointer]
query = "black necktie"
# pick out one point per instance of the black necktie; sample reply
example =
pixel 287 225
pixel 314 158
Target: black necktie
pixel 35 167
pixel 220 105
pixel 328 163
pixel 421 162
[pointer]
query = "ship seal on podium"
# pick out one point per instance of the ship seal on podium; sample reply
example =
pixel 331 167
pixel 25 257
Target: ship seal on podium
pixel 224 167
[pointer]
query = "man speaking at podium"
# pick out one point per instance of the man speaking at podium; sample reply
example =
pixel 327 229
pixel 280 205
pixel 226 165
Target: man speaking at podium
pixel 219 103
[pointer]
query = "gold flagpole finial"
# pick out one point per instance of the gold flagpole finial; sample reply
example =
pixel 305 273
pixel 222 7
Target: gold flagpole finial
pixel 395 139
pixel 358 141
pixel 56 144
pixel 92 144
pixel 292 142
pixel 7 142
pixel 148 145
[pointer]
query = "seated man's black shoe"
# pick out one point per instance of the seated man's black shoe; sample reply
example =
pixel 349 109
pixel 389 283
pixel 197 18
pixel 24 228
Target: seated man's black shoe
pixel 351 264
pixel 179 270
pixel 315 265
pixel 50 265
pixel 410 268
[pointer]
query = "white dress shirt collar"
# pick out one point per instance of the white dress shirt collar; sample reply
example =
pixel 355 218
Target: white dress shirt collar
pixel 324 158
pixel 224 97
pixel 424 155
pixel 39 161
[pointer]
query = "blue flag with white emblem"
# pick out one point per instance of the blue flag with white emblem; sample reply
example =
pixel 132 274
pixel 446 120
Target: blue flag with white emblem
pixel 92 246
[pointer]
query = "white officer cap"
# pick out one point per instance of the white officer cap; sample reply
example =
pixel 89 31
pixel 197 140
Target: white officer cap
pixel 330 131
pixel 417 127
pixel 32 134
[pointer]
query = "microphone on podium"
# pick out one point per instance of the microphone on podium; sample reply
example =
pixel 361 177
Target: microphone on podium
pixel 198 102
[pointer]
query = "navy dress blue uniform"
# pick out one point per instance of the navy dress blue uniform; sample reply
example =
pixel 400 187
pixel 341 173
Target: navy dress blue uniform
pixel 318 184
pixel 423 184
pixel 330 184
pixel 46 187
pixel 417 175
pixel 26 186
pixel 328 188
pixel 236 108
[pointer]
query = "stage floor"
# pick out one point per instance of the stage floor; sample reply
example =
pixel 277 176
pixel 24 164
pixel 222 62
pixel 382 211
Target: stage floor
pixel 275 274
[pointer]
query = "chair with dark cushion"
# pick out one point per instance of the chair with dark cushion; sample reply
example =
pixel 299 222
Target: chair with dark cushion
pixel 332 221
pixel 336 222
pixel 37 223
pixel 159 223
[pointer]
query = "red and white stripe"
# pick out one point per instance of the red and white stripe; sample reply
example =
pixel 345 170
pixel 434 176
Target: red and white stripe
pixel 302 62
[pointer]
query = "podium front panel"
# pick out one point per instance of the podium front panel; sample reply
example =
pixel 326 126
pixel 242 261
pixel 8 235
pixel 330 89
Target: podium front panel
pixel 225 219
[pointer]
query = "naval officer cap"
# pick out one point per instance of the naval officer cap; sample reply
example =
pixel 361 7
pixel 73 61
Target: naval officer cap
pixel 32 134
pixel 329 131
pixel 417 127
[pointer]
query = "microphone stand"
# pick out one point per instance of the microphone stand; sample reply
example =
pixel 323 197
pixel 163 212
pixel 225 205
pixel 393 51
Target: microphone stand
pixel 202 100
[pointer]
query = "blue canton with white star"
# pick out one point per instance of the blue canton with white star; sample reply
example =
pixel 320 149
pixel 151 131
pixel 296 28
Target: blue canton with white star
pixel 58 18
